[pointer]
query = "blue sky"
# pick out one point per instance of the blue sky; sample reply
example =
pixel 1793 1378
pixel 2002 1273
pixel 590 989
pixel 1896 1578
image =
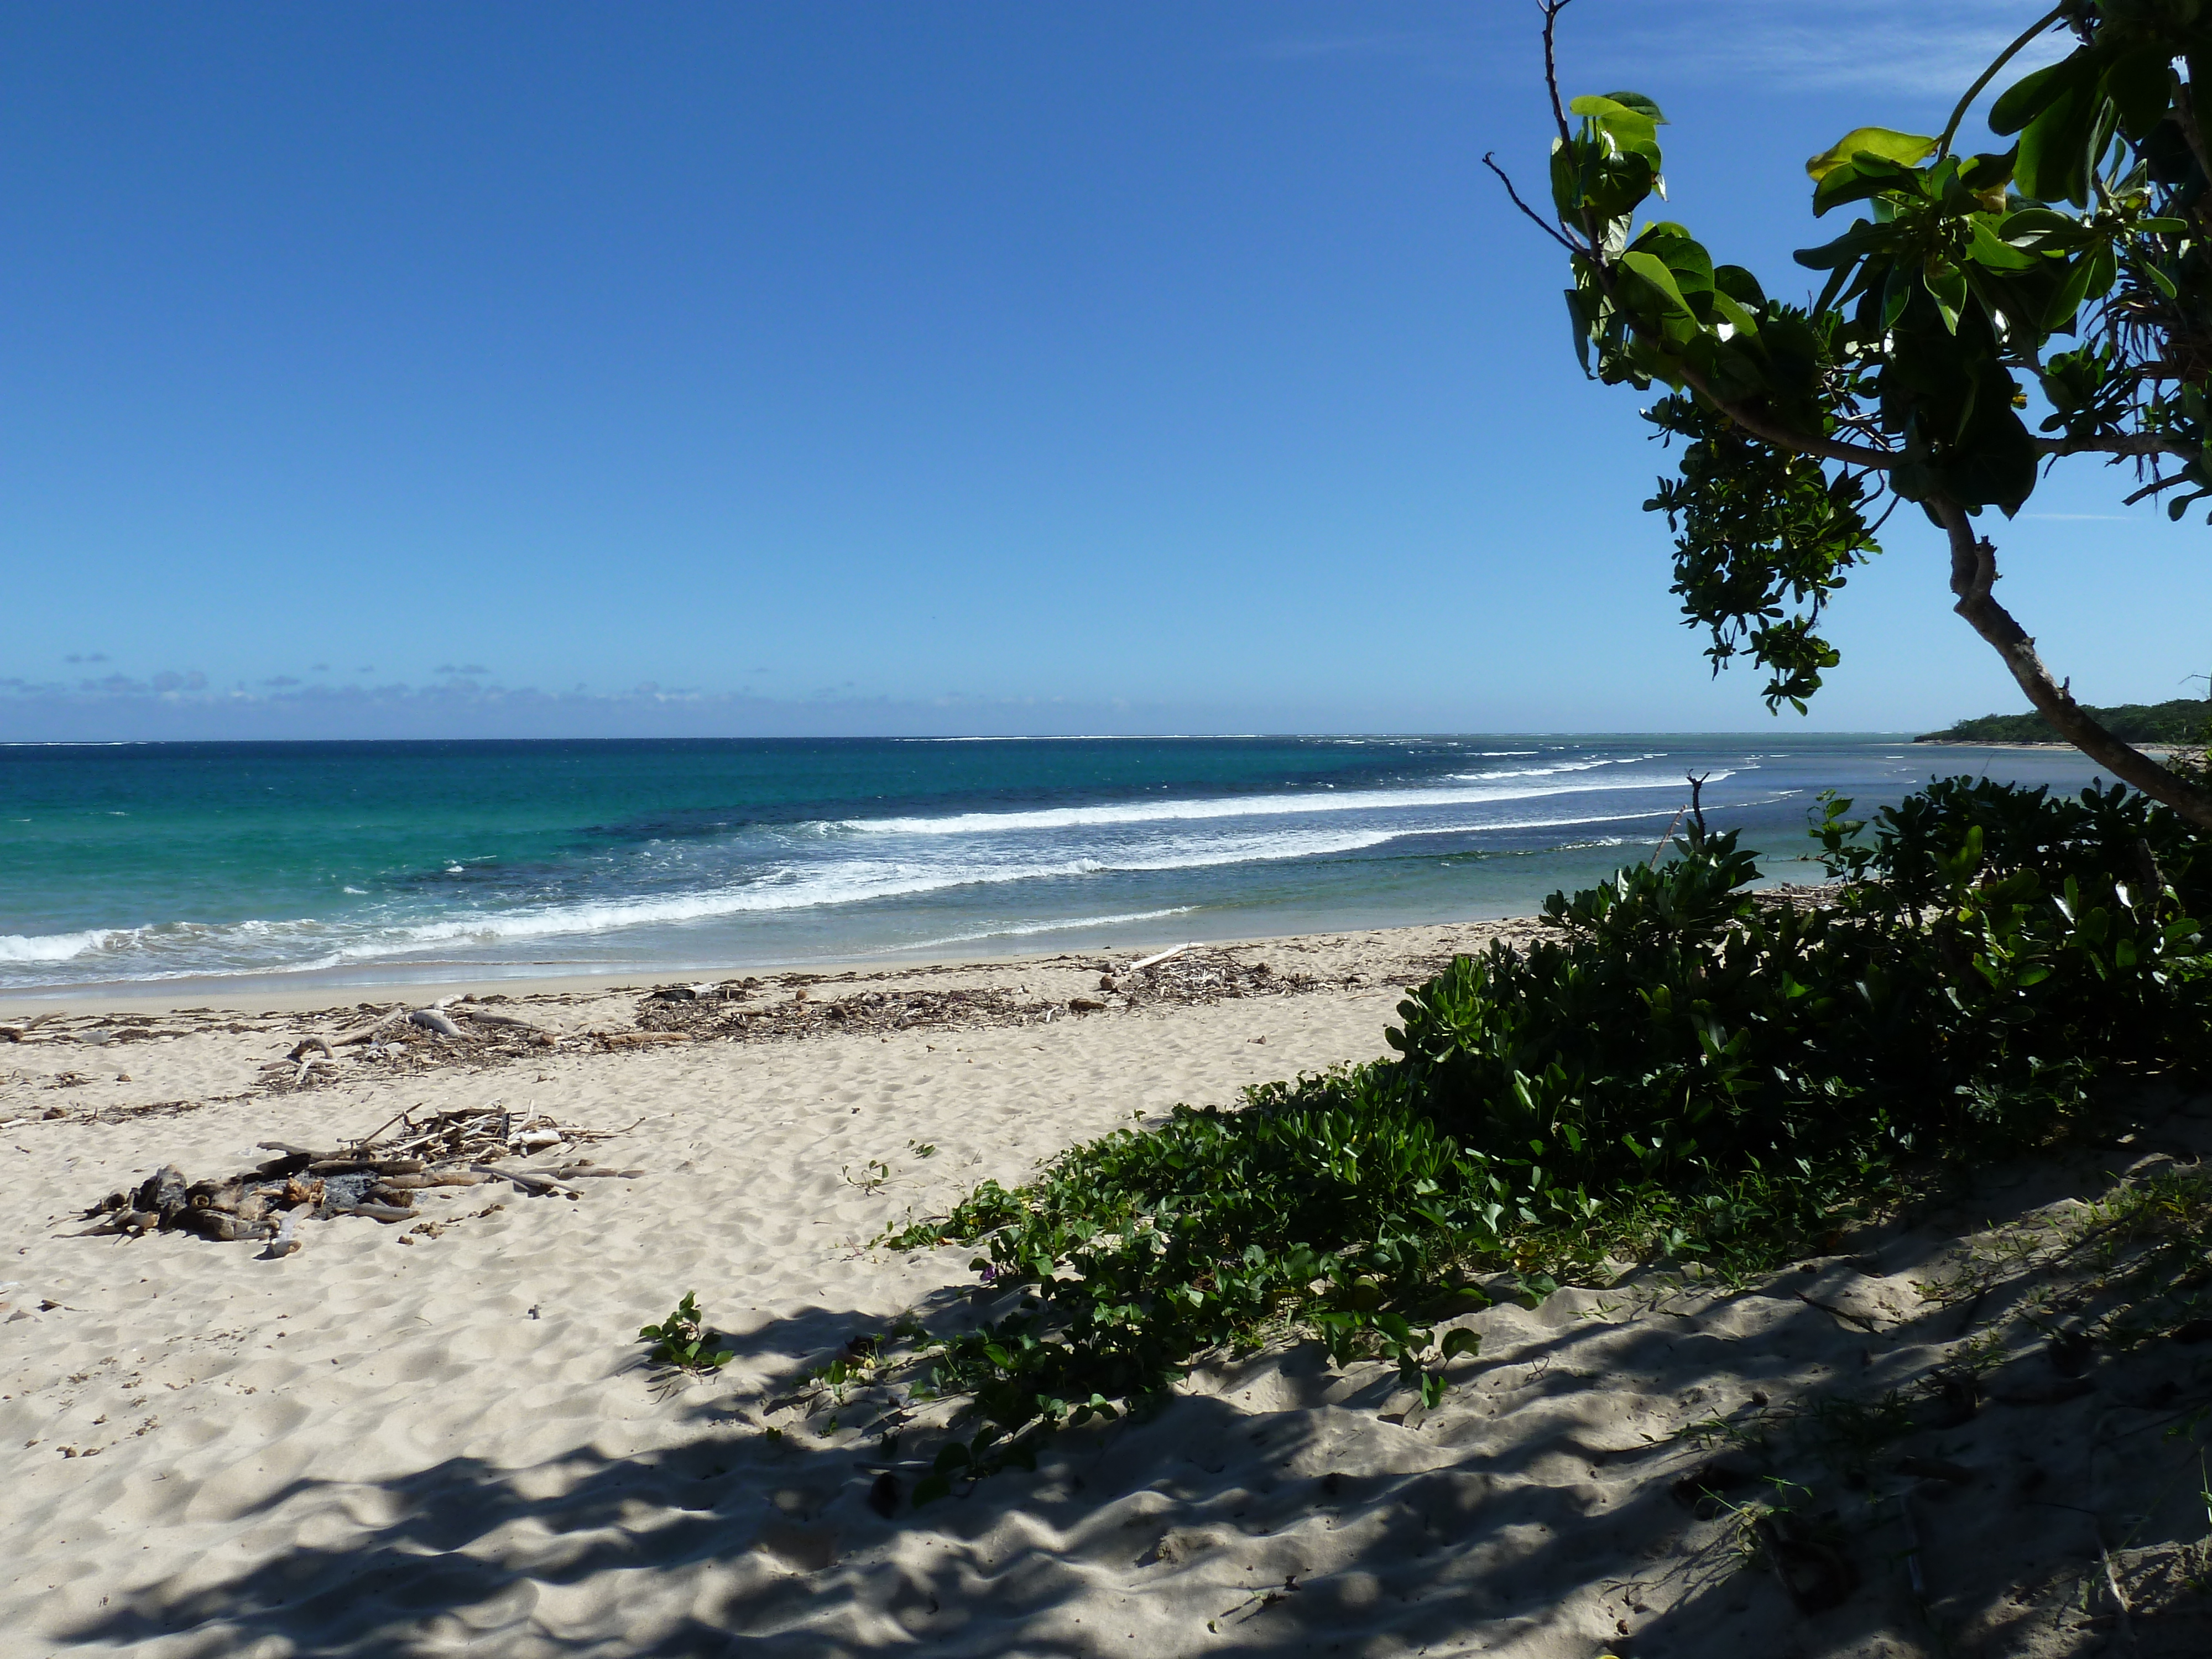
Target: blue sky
pixel 378 369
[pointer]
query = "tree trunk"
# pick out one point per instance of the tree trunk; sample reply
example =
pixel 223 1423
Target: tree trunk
pixel 1973 574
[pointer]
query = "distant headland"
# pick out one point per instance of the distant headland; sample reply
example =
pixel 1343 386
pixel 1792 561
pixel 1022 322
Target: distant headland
pixel 2182 720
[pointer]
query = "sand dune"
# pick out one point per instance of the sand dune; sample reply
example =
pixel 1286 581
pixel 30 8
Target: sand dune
pixel 397 1442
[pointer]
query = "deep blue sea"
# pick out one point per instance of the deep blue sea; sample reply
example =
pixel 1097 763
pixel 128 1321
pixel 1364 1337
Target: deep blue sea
pixel 350 863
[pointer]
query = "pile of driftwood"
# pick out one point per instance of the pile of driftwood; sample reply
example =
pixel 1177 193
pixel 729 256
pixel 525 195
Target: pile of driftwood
pixel 379 1177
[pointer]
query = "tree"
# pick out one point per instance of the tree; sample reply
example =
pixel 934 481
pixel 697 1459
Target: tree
pixel 1802 427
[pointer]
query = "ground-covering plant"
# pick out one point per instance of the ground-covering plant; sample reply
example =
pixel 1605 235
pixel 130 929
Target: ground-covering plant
pixel 1687 1070
pixel 681 1342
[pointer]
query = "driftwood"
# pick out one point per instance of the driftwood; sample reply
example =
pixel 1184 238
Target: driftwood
pixel 642 1039
pixel 434 1178
pixel 1151 961
pixel 337 1164
pixel 434 1020
pixel 377 1177
pixel 365 1033
pixel 529 1181
pixel 574 1171
pixel 299 1049
pixel 375 1212
pixel 478 1016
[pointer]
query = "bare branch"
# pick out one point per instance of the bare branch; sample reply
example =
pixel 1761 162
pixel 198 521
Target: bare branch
pixel 2184 117
pixel 2125 443
pixel 1552 11
pixel 1973 574
pixel 2154 487
pixel 1951 128
pixel 1769 432
pixel 1540 223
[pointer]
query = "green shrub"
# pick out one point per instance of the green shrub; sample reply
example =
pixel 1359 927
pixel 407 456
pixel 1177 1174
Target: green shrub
pixel 1685 1069
pixel 1991 951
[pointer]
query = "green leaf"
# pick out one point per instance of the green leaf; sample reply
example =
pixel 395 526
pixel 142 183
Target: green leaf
pixel 1739 285
pixel 1866 176
pixel 1733 315
pixel 2068 299
pixel 1681 253
pixel 2140 85
pixel 1640 103
pixel 1579 315
pixel 1460 1341
pixel 1988 249
pixel 1657 276
pixel 2053 165
pixel 2033 94
pixel 1906 148
pixel 1860 239
pixel 1630 130
pixel 1896 294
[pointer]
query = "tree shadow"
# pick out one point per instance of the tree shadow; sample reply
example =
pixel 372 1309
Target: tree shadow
pixel 1272 1507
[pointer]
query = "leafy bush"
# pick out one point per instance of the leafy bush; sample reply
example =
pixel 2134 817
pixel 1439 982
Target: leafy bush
pixel 1990 950
pixel 1688 1069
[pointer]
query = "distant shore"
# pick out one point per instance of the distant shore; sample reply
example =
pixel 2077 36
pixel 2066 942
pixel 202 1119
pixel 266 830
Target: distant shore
pixel 2156 750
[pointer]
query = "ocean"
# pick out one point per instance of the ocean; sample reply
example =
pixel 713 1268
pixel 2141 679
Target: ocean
pixel 294 863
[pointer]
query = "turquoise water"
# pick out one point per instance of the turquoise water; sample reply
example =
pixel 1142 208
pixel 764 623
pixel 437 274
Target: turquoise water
pixel 356 862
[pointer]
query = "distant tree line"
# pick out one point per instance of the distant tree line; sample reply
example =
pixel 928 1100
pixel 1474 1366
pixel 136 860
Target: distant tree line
pixel 2183 720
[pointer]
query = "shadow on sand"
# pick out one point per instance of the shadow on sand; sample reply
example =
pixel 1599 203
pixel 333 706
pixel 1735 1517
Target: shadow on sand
pixel 1273 1508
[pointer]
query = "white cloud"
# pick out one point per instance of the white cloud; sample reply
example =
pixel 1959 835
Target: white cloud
pixel 1909 48
pixel 1906 47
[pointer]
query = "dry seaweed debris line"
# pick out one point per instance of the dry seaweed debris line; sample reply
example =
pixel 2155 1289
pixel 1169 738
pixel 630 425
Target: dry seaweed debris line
pixel 742 1009
pixel 666 1016
pixel 453 1027
pixel 380 1176
pixel 1194 973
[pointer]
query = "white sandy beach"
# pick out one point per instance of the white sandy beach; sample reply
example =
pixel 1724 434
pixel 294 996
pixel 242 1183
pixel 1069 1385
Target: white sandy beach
pixel 424 1441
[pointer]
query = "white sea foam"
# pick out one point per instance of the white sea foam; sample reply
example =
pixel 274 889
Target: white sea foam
pixel 1248 806
pixel 1061 925
pixel 177 949
pixel 53 947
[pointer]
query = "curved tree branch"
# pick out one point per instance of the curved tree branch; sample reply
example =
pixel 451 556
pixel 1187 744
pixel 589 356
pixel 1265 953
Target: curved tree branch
pixel 1490 161
pixel 1951 127
pixel 1767 431
pixel 1552 11
pixel 2127 443
pixel 1974 573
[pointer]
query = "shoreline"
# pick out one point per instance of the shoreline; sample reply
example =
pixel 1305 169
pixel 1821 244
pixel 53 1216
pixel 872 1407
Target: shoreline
pixel 168 997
